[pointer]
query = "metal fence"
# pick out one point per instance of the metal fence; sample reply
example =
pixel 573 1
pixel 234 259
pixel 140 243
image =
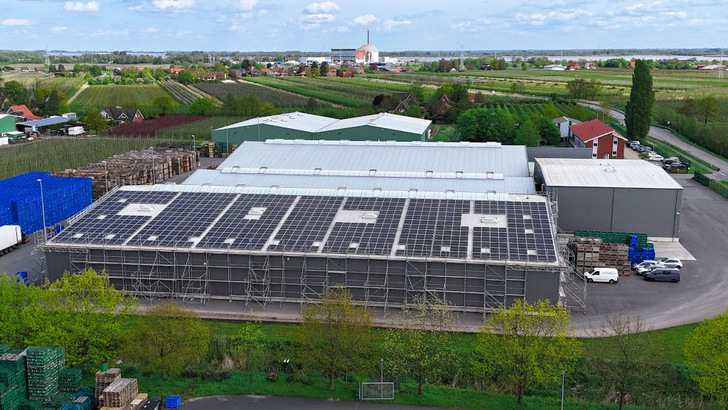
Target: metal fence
pixel 376 391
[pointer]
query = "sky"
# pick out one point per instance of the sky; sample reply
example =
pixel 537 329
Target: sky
pixel 396 25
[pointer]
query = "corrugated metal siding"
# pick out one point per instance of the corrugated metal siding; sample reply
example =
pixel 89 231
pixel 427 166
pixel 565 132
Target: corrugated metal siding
pixel 607 173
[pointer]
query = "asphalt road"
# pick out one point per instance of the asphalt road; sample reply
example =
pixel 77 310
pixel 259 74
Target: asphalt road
pixel 703 289
pixel 280 403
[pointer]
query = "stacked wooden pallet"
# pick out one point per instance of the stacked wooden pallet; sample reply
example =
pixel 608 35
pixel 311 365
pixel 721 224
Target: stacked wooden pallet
pixel 120 393
pixel 141 167
pixel 590 253
pixel 104 379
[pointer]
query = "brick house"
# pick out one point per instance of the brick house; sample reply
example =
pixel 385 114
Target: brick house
pixel 601 138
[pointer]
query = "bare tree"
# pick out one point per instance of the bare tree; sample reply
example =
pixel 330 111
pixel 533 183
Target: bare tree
pixel 630 336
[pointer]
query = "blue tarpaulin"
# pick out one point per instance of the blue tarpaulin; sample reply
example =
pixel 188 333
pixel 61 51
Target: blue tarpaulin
pixel 45 122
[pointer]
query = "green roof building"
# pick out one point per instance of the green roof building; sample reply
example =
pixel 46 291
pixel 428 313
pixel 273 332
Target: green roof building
pixel 7 123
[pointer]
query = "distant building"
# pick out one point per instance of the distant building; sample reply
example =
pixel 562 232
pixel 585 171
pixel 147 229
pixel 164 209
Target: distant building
pixel 554 67
pixel 122 115
pixel 590 65
pixel 564 123
pixel 176 70
pixel 367 54
pixel 601 138
pixel 343 55
pixel 573 66
pixel 23 112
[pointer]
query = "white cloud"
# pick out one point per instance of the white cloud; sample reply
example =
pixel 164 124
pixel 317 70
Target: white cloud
pixel 173 4
pixel 16 22
pixel 538 19
pixel 471 25
pixel 324 7
pixel 151 30
pixel 634 7
pixel 389 24
pixel 59 29
pixel 365 19
pixel 247 5
pixel 679 14
pixel 314 20
pixel 81 6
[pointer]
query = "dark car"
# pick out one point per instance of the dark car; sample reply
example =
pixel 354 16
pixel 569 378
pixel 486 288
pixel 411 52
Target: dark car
pixel 662 274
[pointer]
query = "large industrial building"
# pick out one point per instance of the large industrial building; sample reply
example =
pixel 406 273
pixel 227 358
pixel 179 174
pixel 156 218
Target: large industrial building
pixel 281 221
pixel 297 125
pixel 612 195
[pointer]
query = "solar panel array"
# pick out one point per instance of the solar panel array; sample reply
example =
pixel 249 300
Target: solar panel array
pixel 321 224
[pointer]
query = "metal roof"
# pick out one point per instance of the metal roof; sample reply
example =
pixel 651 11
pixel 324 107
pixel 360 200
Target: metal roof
pixel 315 123
pixel 46 122
pixel 383 120
pixel 382 157
pixel 604 173
pixel 295 120
pixel 444 186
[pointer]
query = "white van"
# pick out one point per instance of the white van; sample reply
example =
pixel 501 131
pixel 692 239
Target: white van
pixel 609 275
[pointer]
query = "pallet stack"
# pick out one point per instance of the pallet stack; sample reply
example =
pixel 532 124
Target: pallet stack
pixel 44 364
pixel 69 380
pixel 141 167
pixel 13 386
pixel 104 379
pixel 593 252
pixel 120 394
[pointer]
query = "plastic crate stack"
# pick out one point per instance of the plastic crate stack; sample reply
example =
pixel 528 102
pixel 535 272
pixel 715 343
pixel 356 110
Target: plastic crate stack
pixel 13 387
pixel 615 237
pixel 44 364
pixel 639 253
pixel 104 379
pixel 69 380
pixel 21 202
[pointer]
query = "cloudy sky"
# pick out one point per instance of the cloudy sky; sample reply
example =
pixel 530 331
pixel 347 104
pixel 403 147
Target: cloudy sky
pixel 278 25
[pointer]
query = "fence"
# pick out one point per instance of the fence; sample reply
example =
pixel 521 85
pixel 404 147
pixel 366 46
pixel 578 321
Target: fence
pixel 719 187
pixel 701 178
pixel 376 391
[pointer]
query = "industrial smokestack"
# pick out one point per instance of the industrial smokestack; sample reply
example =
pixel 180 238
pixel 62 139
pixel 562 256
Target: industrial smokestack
pixel 367 36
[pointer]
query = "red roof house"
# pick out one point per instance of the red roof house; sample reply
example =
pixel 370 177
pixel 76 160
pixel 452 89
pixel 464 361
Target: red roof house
pixel 573 66
pixel 22 111
pixel 600 137
pixel 176 70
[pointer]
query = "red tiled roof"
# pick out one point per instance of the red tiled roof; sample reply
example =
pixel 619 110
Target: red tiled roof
pixel 587 131
pixel 25 110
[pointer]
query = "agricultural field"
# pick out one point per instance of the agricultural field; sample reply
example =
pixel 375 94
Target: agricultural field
pixel 265 95
pixel 202 130
pixel 178 91
pixel 353 93
pixel 67 85
pixel 58 154
pixel 151 127
pixel 127 96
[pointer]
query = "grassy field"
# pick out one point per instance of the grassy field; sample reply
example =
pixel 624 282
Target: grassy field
pixel 127 96
pixel 178 91
pixel 53 155
pixel 67 85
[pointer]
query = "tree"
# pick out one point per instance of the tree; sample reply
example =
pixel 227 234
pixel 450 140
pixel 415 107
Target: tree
pixel 707 107
pixel 335 334
pixel 422 347
pixel 527 134
pixel 163 103
pixel 168 337
pixel 501 64
pixel 526 344
pixel 16 93
pixel 267 109
pixel 629 337
pixel 229 105
pixel 548 131
pixel 706 355
pixel 248 343
pixel 550 111
pixel 84 314
pixel 186 77
pixel 480 124
pixel 95 70
pixel 16 299
pixel 201 106
pixel 580 88
pixel 606 111
pixel 641 99
pixel 95 121
pixel 249 106
pixel 580 113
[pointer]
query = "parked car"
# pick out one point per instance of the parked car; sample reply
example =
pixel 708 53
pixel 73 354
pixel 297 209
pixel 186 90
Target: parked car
pixel 643 263
pixel 608 275
pixel 673 166
pixel 647 268
pixel 663 275
pixel 634 144
pixel 671 160
pixel 671 262
pixel 654 157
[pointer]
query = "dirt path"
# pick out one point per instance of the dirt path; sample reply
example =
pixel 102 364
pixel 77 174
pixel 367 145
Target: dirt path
pixel 288 92
pixel 80 90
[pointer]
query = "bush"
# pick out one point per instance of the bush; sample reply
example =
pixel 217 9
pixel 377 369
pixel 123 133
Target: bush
pixel 299 376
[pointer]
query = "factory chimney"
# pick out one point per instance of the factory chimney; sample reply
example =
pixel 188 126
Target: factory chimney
pixel 367 36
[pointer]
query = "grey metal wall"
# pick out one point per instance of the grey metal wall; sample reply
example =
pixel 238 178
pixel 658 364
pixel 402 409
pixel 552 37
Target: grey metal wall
pixel 655 212
pixel 280 278
pixel 557 152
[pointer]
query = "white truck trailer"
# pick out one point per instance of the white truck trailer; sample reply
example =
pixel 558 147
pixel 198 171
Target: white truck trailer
pixel 10 237
pixel 75 131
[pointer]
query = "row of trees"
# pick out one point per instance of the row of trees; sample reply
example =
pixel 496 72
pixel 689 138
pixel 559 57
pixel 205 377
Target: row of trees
pixel 48 100
pixel 484 124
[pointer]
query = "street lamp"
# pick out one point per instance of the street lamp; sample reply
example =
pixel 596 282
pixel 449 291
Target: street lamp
pixel 154 171
pixel 42 208
pixel 381 370
pixel 193 142
pixel 106 178
pixel 563 374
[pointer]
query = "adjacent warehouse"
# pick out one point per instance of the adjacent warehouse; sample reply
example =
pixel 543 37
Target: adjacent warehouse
pixel 297 125
pixel 21 202
pixel 447 168
pixel 477 251
pixel 612 195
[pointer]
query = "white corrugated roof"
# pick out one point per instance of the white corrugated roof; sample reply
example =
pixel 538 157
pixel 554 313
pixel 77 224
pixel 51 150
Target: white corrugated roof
pixel 383 120
pixel 382 157
pixel 295 120
pixel 604 173
pixel 316 123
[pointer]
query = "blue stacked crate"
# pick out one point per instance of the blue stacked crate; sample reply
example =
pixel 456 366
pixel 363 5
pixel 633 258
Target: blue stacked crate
pixel 21 202
pixel 173 402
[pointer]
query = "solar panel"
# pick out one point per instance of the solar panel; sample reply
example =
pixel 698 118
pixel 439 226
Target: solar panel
pixel 307 224
pixel 374 235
